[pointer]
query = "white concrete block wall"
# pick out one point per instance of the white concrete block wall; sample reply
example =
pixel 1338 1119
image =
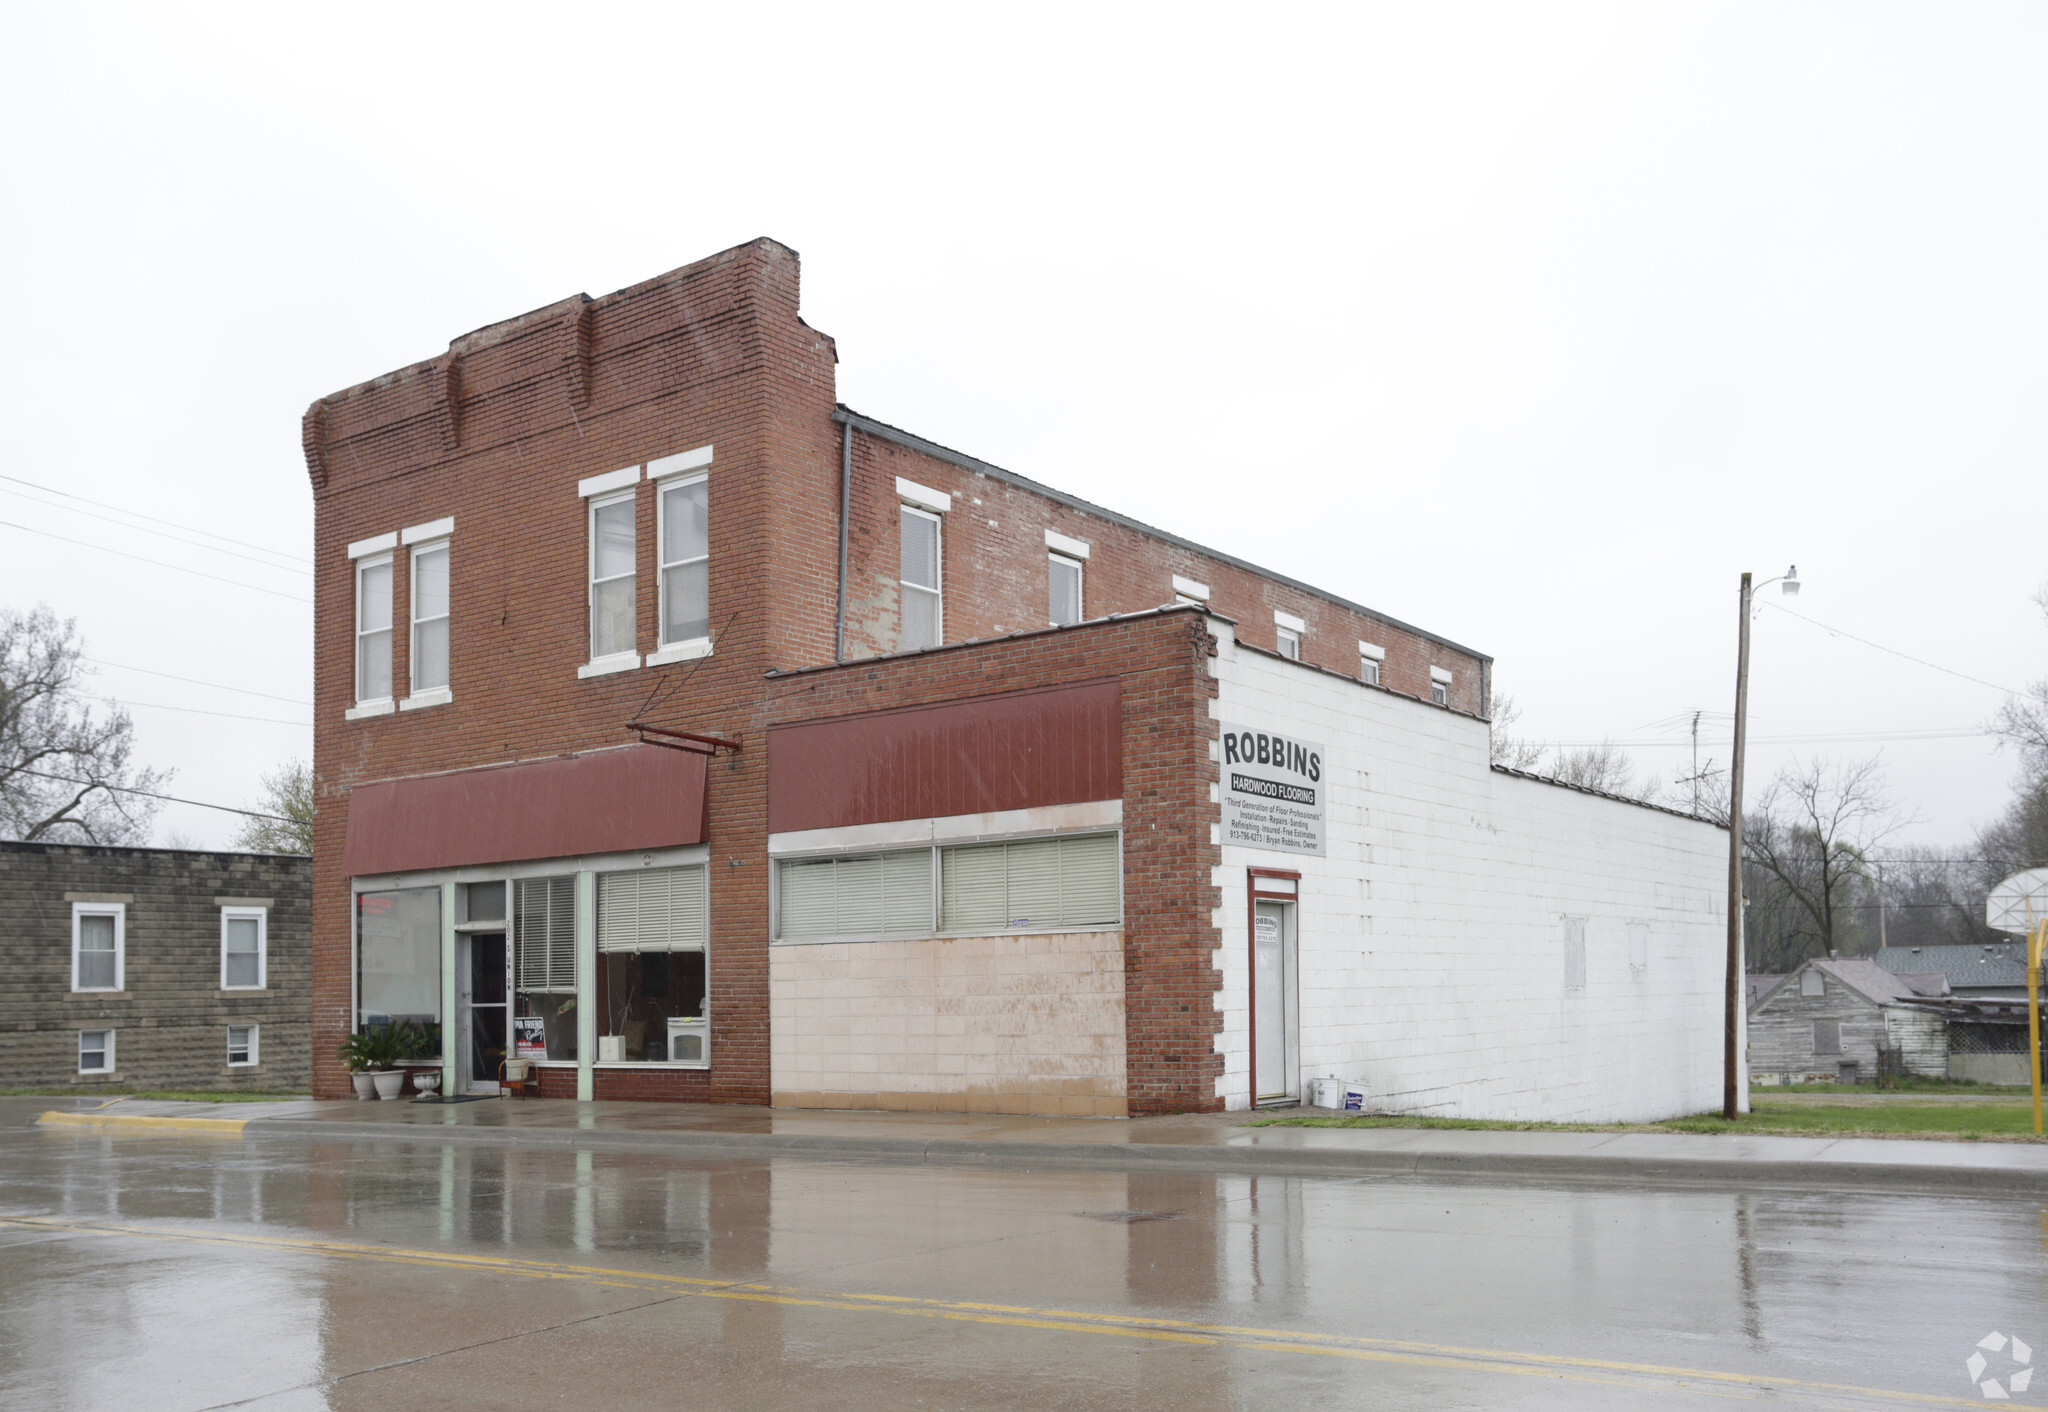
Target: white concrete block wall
pixel 1432 935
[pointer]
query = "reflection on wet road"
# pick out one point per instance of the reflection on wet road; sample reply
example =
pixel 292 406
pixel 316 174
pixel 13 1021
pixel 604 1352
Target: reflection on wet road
pixel 181 1272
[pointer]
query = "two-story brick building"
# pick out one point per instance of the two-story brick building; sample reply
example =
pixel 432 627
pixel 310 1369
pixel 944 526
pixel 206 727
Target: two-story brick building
pixel 699 738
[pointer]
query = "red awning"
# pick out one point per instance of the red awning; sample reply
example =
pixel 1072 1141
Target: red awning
pixel 609 801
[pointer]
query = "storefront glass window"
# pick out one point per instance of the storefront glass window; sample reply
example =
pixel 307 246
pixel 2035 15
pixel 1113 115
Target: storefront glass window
pixel 651 974
pixel 398 976
pixel 544 987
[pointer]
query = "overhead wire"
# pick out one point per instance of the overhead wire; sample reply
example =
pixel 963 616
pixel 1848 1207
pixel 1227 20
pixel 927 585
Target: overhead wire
pixel 198 711
pixel 166 534
pixel 195 681
pixel 1907 656
pixel 152 794
pixel 194 529
pixel 159 563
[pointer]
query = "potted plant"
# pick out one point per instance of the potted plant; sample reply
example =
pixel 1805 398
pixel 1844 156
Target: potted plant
pixel 360 1053
pixel 416 1041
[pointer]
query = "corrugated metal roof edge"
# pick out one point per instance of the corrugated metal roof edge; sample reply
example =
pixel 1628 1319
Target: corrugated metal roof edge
pixel 1603 794
pixel 911 441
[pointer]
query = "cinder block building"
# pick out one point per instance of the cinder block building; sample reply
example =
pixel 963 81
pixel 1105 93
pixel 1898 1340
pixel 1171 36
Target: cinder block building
pixel 696 737
pixel 155 968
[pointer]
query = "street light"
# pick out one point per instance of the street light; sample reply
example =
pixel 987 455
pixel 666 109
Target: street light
pixel 1731 1067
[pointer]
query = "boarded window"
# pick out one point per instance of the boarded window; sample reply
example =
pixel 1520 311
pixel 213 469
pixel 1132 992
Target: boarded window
pixel 1038 885
pixel 652 909
pixel 875 894
pixel 1827 1037
pixel 1574 953
pixel 1811 983
pixel 544 924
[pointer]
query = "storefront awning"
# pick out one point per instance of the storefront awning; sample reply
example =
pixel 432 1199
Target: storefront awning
pixel 609 801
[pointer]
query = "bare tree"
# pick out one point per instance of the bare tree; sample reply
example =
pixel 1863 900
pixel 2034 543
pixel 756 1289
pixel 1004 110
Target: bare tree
pixel 1511 752
pixel 65 773
pixel 1605 767
pixel 1810 838
pixel 287 793
pixel 2023 721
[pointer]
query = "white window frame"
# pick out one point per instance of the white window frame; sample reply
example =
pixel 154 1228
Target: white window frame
pixel 1439 686
pixel 255 1047
pixel 107 1050
pixel 1287 643
pixel 1190 591
pixel 1057 560
pixel 1370 655
pixel 418 696
pixel 615 661
pixel 262 918
pixel 372 705
pixel 685 648
pixel 938 587
pixel 119 912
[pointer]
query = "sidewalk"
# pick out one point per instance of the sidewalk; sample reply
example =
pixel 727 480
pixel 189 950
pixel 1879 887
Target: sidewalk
pixel 1219 1142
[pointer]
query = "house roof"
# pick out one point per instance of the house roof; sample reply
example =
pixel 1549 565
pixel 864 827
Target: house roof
pixel 2002 965
pixel 1861 975
pixel 1760 986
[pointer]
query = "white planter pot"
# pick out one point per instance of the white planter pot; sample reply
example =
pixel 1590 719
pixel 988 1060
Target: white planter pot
pixel 426 1081
pixel 366 1086
pixel 390 1083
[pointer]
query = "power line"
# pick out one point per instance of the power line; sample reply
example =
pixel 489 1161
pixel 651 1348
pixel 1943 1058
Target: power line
pixel 144 529
pixel 150 794
pixel 195 681
pixel 196 711
pixel 52 490
pixel 1918 661
pixel 1831 738
pixel 180 568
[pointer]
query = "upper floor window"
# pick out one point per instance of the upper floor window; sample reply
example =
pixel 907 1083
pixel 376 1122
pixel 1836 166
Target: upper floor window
pixel 1439 686
pixel 429 617
pixel 1370 655
pixel 1064 581
pixel 685 561
pixel 373 630
pixel 243 937
pixel 1193 592
pixel 98 945
pixel 1287 631
pixel 923 622
pixel 613 630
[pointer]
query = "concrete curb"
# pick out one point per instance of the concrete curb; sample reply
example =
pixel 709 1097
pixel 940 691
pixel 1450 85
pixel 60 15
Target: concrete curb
pixel 142 1122
pixel 1431 1165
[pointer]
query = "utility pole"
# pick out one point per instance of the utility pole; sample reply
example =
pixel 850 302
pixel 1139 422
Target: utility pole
pixel 1731 1065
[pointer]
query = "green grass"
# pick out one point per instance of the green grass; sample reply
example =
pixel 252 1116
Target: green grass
pixel 2001 1120
pixel 240 1095
pixel 1906 1085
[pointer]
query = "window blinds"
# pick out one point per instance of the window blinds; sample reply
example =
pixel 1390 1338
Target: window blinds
pixel 655 909
pixel 1046 882
pixel 545 927
pixel 878 894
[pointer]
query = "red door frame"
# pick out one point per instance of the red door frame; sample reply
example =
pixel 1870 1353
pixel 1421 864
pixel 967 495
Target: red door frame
pixel 1254 895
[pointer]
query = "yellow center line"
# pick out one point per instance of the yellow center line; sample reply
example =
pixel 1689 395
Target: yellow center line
pixel 1639 1376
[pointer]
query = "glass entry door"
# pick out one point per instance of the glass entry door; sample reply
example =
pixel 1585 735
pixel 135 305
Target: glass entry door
pixel 484 1010
pixel 1274 1042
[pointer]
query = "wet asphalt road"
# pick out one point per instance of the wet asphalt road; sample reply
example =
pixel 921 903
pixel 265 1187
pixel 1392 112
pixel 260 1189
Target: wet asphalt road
pixel 166 1272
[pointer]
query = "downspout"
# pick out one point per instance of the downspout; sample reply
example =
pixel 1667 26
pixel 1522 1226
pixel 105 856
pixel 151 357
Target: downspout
pixel 845 509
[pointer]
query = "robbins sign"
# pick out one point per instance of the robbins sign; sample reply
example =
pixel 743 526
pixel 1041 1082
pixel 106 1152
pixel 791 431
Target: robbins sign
pixel 1272 791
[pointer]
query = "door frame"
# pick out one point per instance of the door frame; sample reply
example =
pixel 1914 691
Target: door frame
pixel 465 1001
pixel 1271 885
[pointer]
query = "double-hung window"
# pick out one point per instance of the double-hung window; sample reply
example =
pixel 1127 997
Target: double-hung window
pixel 95 1051
pixel 1287 631
pixel 1063 576
pixel 685 509
pixel 98 945
pixel 613 605
pixel 242 1051
pixel 1439 686
pixel 1370 655
pixel 373 632
pixel 243 947
pixel 923 608
pixel 428 658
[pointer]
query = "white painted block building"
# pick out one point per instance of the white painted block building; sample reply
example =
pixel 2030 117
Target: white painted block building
pixel 1468 942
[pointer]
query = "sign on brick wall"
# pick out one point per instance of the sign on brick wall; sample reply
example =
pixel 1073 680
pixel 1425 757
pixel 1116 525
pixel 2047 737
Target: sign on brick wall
pixel 1273 790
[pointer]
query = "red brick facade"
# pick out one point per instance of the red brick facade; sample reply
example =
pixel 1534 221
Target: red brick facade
pixel 498 431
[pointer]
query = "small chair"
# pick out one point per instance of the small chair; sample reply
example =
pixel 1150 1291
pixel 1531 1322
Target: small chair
pixel 519 1076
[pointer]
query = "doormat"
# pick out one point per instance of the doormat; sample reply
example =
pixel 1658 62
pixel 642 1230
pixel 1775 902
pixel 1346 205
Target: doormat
pixel 455 1098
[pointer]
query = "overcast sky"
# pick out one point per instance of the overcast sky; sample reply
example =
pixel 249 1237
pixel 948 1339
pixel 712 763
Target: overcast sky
pixel 1532 325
